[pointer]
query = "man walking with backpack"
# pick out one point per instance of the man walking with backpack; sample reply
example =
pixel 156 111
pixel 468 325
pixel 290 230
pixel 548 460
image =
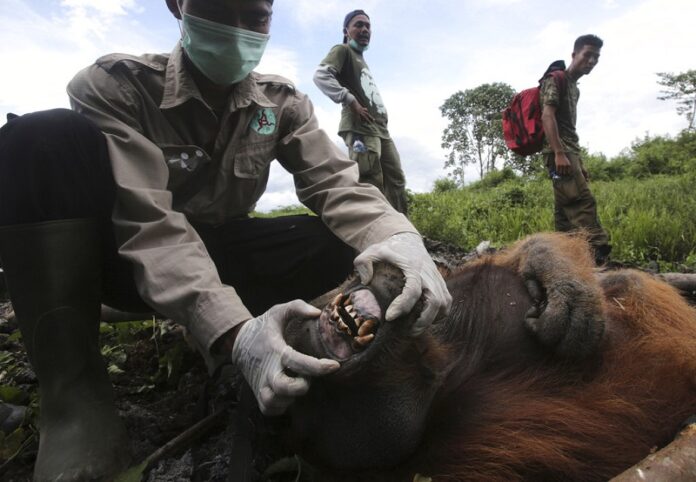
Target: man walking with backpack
pixel 574 205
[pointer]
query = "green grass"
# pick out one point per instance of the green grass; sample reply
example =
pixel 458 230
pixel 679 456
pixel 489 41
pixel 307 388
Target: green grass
pixel 647 219
pixel 650 219
pixel 283 211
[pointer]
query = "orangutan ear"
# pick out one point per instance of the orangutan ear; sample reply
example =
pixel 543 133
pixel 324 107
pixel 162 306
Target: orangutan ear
pixel 174 8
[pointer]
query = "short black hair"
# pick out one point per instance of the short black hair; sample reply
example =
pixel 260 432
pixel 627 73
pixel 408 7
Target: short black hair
pixel 351 15
pixel 588 39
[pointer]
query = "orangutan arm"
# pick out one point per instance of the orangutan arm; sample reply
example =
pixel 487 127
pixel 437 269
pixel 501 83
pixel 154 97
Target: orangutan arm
pixel 568 315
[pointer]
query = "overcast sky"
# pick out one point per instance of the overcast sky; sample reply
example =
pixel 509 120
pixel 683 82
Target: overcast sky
pixel 422 52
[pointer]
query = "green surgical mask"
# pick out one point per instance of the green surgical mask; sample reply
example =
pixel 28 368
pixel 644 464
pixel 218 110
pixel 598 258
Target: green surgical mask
pixel 356 46
pixel 223 53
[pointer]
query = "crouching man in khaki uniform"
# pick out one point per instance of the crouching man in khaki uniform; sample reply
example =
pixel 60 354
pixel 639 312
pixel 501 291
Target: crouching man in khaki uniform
pixel 140 198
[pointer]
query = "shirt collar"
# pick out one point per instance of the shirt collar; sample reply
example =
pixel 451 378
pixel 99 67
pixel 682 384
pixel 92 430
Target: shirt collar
pixel 247 92
pixel 179 86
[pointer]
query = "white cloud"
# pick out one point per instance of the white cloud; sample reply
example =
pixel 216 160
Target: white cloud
pixel 498 3
pixel 309 13
pixel 422 53
pixel 85 19
pixel 619 99
pixel 280 192
pixel 44 49
pixel 280 60
pixel 610 4
pixel 107 8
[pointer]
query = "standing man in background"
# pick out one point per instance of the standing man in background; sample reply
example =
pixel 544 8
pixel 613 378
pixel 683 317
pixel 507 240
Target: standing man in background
pixel 345 78
pixel 574 205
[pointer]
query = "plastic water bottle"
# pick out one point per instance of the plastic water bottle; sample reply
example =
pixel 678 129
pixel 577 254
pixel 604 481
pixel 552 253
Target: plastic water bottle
pixel 359 146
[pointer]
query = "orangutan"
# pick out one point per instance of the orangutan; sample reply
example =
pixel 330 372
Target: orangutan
pixel 545 369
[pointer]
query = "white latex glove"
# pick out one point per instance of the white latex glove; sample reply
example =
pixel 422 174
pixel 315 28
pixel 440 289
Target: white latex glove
pixel 406 252
pixel 262 355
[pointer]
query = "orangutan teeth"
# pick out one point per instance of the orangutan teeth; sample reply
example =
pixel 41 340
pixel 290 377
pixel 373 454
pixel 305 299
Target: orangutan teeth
pixel 366 327
pixel 364 340
pixel 348 321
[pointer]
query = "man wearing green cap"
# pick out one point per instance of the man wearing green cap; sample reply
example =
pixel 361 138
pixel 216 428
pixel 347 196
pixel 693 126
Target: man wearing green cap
pixel 140 198
pixel 345 78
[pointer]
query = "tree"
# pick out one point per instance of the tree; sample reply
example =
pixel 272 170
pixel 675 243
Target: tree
pixel 682 88
pixel 475 133
pixel 528 166
pixel 445 184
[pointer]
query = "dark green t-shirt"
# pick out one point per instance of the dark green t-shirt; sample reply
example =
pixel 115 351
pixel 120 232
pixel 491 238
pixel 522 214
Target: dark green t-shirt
pixel 566 104
pixel 354 74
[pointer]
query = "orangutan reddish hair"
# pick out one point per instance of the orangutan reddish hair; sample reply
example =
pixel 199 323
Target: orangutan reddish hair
pixel 545 369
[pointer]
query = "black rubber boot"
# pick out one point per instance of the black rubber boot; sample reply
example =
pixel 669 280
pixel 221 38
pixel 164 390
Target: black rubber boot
pixel 53 273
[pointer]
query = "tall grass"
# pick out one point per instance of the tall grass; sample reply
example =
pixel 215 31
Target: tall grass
pixel 650 219
pixel 647 219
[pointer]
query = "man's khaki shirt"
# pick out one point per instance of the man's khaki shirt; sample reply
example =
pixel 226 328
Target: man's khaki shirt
pixel 175 160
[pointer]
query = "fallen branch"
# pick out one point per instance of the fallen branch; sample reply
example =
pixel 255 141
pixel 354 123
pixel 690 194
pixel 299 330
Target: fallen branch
pixel 176 445
pixel 676 462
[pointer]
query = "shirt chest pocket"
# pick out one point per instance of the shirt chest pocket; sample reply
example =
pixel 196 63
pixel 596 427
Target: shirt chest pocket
pixel 252 160
pixel 186 163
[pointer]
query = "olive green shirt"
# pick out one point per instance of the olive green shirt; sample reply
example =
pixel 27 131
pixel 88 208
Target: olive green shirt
pixel 352 72
pixel 174 160
pixel 566 104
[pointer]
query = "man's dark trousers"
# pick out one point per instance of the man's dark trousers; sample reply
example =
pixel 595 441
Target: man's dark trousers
pixel 55 165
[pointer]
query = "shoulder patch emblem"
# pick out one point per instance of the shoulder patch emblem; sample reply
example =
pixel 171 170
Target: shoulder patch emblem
pixel 264 121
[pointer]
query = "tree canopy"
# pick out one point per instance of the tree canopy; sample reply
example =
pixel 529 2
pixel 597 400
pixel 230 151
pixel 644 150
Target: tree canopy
pixel 682 88
pixel 474 134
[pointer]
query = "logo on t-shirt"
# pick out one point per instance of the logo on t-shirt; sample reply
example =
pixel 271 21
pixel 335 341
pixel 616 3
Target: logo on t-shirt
pixel 264 121
pixel 367 82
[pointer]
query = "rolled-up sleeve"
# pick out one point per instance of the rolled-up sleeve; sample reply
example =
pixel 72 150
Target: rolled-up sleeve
pixel 173 271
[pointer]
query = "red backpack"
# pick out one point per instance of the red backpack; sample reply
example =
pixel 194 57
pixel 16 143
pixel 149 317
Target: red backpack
pixel 522 128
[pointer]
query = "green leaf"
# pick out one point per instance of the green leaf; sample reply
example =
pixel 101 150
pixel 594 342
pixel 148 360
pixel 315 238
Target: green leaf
pixel 133 474
pixel 11 444
pixel 13 395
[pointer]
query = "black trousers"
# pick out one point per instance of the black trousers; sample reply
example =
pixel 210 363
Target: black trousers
pixel 55 165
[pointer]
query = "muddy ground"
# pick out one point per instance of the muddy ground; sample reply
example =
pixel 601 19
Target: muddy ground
pixel 162 391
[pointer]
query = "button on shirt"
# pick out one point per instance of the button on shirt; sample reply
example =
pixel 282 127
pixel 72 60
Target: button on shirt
pixel 175 159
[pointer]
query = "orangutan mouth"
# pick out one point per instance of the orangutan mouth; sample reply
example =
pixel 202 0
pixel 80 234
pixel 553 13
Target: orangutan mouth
pixel 350 322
